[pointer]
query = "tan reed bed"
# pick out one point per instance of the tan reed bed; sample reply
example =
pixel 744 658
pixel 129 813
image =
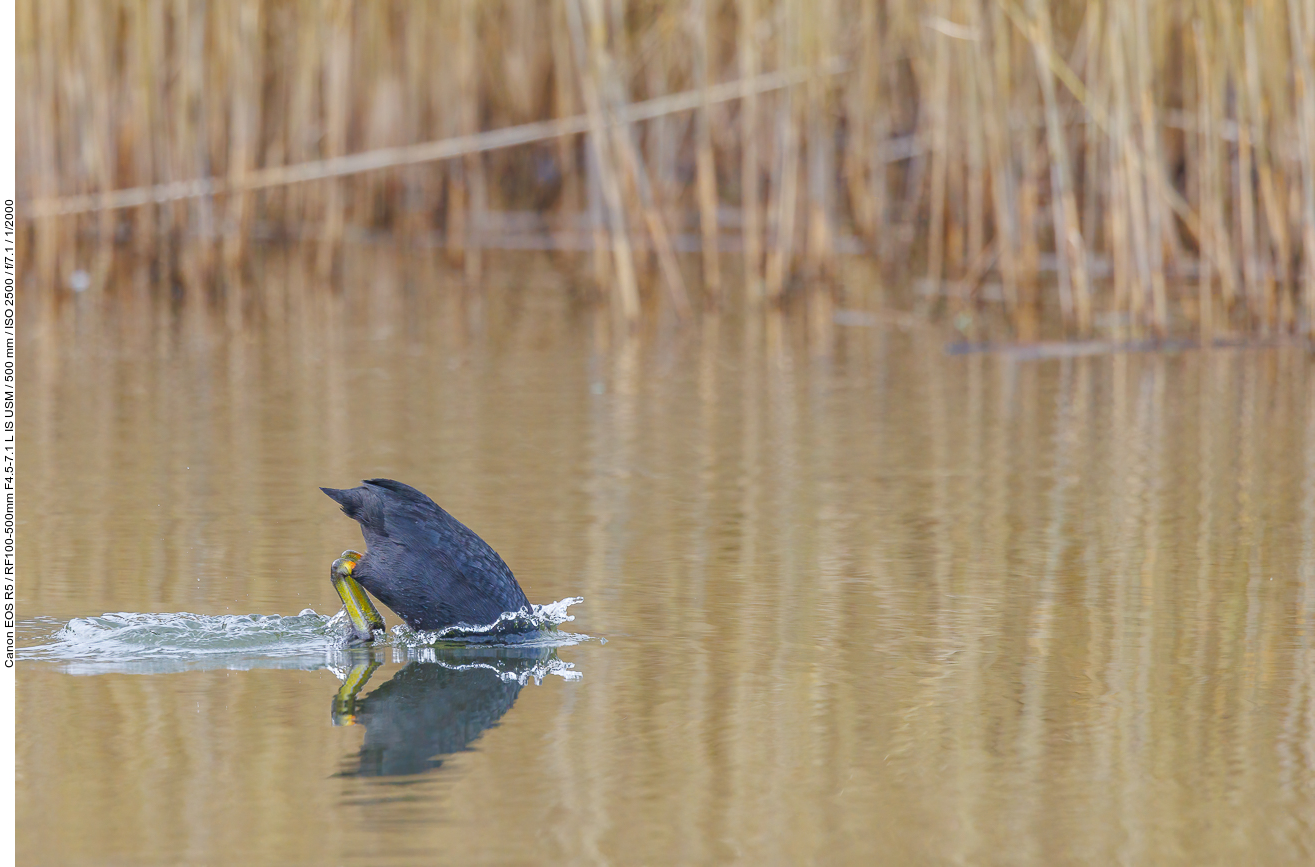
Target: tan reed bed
pixel 1137 166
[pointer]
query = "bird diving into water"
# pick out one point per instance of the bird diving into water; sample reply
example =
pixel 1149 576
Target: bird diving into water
pixel 427 566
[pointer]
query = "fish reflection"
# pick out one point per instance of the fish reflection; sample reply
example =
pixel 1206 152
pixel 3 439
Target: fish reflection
pixel 436 705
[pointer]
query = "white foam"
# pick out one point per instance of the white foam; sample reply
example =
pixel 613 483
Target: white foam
pixel 150 643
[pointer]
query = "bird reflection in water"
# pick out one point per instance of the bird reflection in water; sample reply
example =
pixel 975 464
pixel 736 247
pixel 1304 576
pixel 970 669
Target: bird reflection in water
pixel 436 705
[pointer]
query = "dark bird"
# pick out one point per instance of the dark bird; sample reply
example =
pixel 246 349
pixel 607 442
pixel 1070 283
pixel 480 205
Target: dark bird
pixel 419 561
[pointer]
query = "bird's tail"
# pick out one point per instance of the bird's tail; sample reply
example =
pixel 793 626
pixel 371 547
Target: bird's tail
pixel 360 504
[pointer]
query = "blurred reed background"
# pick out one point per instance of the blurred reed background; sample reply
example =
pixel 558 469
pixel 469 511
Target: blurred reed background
pixel 1134 166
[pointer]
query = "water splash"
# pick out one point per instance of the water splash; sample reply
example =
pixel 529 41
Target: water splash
pixel 143 636
pixel 153 643
pixel 535 626
pixel 510 664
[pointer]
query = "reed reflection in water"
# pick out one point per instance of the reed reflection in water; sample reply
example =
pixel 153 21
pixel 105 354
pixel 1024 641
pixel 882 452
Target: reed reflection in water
pixel 862 600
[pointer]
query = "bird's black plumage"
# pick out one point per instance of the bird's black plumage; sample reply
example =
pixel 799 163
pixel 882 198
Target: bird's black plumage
pixel 427 566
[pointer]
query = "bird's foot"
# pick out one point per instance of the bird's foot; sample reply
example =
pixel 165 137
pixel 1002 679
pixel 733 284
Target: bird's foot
pixel 364 616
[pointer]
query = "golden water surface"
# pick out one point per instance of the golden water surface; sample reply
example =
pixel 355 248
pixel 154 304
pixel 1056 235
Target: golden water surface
pixel 863 602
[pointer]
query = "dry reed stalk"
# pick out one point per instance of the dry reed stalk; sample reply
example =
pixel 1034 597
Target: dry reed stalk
pixel 615 83
pixel 418 188
pixel 1243 170
pixel 565 104
pixel 586 52
pixel 820 247
pixel 616 25
pixel 1208 188
pixel 1301 26
pixel 1245 199
pixel 1073 286
pixel 905 188
pixel 1028 180
pixel 1029 255
pixel 624 146
pixel 138 134
pixel 1215 244
pixel 994 128
pixel 783 197
pixel 337 102
pixel 1132 193
pixel 153 88
pixel 662 140
pixel 244 128
pixel 374 202
pixel 862 166
pixel 306 87
pixel 48 24
pixel 976 157
pixel 939 135
pixel 1276 276
pixel 1095 153
pixel 1117 229
pixel 98 152
pixel 198 252
pixel 706 167
pixel 473 175
pixel 457 209
pixel 750 178
pixel 957 146
pixel 564 79
pixel 598 221
pixel 1156 212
